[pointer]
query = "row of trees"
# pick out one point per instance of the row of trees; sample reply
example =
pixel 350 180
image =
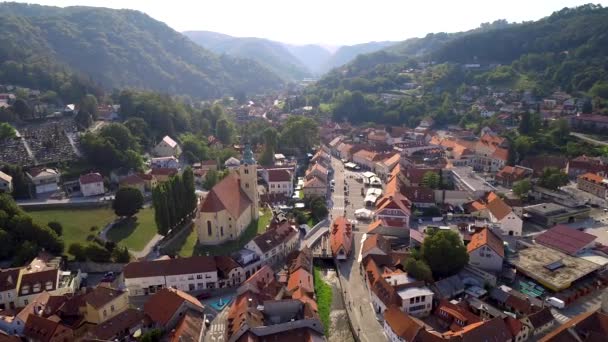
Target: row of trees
pixel 113 147
pixel 173 201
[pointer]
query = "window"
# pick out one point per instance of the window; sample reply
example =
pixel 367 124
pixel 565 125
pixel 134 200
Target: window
pixel 191 277
pixel 25 289
pixel 222 230
pixel 247 185
pixel 246 171
pixel 112 308
pixel 105 313
pixel 36 288
pixel 417 307
pixel 26 302
pixel 209 228
pixel 48 285
pixel 199 276
pixel 207 276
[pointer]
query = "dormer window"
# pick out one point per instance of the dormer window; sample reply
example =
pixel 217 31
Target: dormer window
pixel 37 287
pixel 48 285
pixel 25 289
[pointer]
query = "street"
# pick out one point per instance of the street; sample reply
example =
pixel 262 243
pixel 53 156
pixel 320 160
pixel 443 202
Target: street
pixel 356 297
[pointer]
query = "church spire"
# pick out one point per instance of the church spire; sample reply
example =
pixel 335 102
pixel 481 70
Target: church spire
pixel 248 156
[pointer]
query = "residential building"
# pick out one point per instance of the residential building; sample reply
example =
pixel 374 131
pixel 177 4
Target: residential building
pixel 91 184
pixel 8 288
pixel 6 183
pixel 584 164
pixel 163 174
pixel 231 205
pixel 375 244
pixel 167 307
pixel 500 214
pixel 229 272
pixel 38 328
pixel 539 322
pixel 420 197
pixel 44 180
pixel 486 251
pixel 384 167
pixel 511 174
pixel 382 294
pixel 314 187
pixel 208 165
pixel 365 158
pixel 164 162
pixel 587 326
pixel 232 163
pixel 394 208
pixel 186 274
pixel 103 303
pixel 341 238
pixel 276 242
pixel 167 148
pixel 416 299
pixel 593 183
pixel 317 170
pixel 120 327
pixel 135 181
pixel 589 121
pixel 280 181
pixel 413 176
pixel 550 214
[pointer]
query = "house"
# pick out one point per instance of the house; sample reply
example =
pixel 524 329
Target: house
pixel 91 184
pixel 382 294
pixel 6 183
pixel 388 228
pixel 167 307
pixel 167 148
pixel 587 326
pixel 8 288
pixel 103 302
pixel 420 197
pixel 186 274
pixel 593 183
pixel 567 240
pixel 276 242
pixel 395 208
pixel 280 181
pixel 341 238
pixel 119 327
pixel 384 167
pixel 511 174
pixel 345 151
pixel 455 316
pixel 232 163
pixel 163 174
pixel 134 181
pixel 208 165
pixel 375 244
pixel 231 205
pixel 539 322
pixel 42 329
pixel 414 176
pixel 486 251
pixel 190 328
pixel 503 215
pixel 314 187
pixel 164 162
pixel 44 180
pixel 318 171
pixel 416 299
pixel 583 164
pixel 365 158
pixel 539 163
pixel 229 272
pixel 589 121
pixel 401 327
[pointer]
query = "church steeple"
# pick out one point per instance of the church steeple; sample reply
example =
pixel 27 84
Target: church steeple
pixel 248 173
pixel 248 158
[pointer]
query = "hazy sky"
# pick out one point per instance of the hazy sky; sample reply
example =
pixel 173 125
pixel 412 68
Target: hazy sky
pixel 332 22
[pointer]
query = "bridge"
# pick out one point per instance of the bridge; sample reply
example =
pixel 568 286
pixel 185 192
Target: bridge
pixel 319 244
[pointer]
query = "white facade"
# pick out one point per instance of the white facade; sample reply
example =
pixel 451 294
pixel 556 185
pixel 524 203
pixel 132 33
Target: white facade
pixel 184 282
pixel 378 305
pixel 390 334
pixel 510 224
pixel 92 189
pixel 45 181
pixel 416 301
pixel 165 162
pixel 486 259
pixel 6 183
pixel 167 148
pixel 8 299
pixel 280 188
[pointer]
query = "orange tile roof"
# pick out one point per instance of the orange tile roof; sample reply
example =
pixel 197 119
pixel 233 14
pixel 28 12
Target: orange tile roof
pixel 228 195
pixel 486 237
pixel 314 182
pixel 162 305
pixel 300 279
pixel 365 154
pixel 402 324
pixel 592 177
pixel 374 241
pixel 341 236
pixel 497 206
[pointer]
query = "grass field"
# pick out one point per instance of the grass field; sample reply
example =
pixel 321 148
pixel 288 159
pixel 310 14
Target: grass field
pixel 188 247
pixel 323 292
pixel 76 223
pixel 134 233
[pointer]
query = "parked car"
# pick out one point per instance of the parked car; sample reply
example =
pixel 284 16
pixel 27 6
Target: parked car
pixel 108 277
pixel 203 295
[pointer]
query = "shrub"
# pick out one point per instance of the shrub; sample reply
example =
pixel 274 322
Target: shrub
pixel 97 253
pixel 78 251
pixel 56 227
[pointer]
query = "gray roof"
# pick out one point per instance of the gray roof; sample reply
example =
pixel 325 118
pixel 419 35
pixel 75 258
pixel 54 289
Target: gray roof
pixel 499 295
pixel 449 287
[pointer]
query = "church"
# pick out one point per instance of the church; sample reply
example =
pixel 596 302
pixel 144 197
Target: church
pixel 231 205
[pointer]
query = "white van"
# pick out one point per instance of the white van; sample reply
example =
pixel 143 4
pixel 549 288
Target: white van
pixel 556 302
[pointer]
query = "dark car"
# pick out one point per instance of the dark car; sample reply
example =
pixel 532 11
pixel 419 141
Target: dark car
pixel 203 295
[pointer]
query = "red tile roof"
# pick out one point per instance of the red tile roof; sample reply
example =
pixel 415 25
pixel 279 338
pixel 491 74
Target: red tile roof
pixel 486 237
pixel 497 206
pixel 132 180
pixel 163 171
pixel 402 324
pixel 279 176
pixel 90 178
pixel 565 239
pixel 419 194
pixel 165 303
pixel 376 241
pixel 592 177
pixel 341 236
pixel 228 195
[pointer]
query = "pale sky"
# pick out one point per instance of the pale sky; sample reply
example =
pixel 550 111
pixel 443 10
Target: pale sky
pixel 332 22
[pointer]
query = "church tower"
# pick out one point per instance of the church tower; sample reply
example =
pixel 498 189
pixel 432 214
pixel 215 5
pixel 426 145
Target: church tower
pixel 248 173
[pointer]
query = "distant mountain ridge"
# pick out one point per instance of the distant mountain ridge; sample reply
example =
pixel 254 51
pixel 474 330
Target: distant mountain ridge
pixel 122 48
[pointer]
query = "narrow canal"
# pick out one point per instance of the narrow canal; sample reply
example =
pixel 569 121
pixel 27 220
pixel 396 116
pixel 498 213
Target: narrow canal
pixel 339 330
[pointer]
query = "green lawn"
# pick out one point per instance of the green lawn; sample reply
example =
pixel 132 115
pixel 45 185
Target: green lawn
pixel 76 223
pixel 188 247
pixel 324 297
pixel 134 233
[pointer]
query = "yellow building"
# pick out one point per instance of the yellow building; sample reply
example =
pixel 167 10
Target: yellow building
pixel 103 303
pixel 231 205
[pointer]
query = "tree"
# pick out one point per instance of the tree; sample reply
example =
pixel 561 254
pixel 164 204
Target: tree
pixel 318 208
pixel 96 253
pixel 6 131
pixel 445 253
pixel 78 251
pixel 587 107
pixel 211 178
pixel 83 119
pixel 552 178
pixel 189 194
pixel 127 202
pixel 88 104
pixel 522 188
pixel 431 180
pixel 161 210
pixel 418 269
pixel 270 136
pixel 523 145
pixel 25 253
pixel 224 131
pixel 22 109
pixel 56 227
pixel 121 255
pixel 21 185
pixel 152 336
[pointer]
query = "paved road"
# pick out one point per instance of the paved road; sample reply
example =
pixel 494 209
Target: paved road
pixel 217 329
pixel 356 297
pixel 589 139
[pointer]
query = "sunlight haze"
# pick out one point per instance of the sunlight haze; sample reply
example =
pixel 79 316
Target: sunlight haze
pixel 335 22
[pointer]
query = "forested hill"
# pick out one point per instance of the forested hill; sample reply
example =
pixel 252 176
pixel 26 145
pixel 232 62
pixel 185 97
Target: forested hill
pixel 348 53
pixel 272 55
pixel 118 48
